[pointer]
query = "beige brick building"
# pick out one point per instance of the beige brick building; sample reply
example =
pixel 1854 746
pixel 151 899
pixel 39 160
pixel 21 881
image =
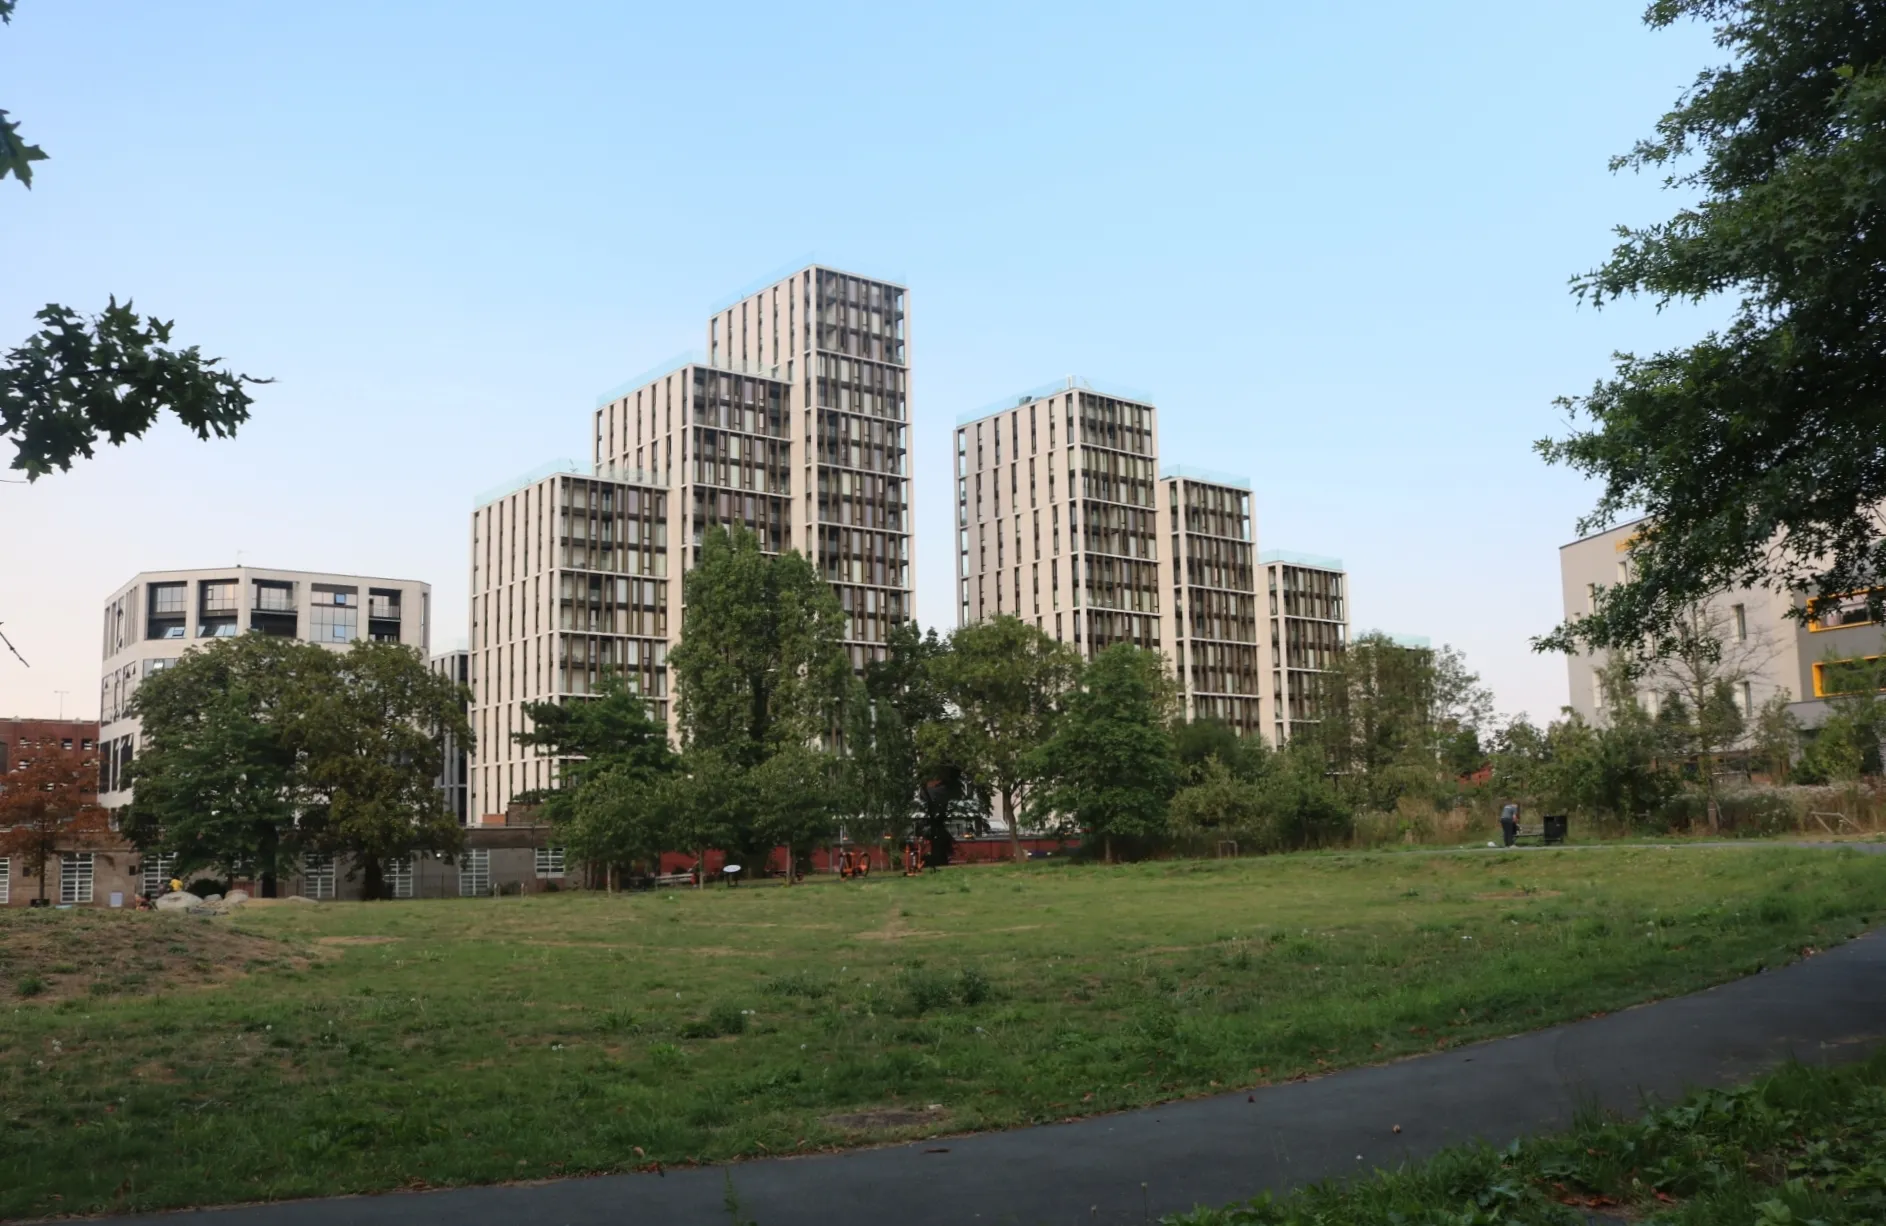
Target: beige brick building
pixel 1065 520
pixel 570 580
pixel 1210 621
pixel 795 423
pixel 1057 515
pixel 1307 608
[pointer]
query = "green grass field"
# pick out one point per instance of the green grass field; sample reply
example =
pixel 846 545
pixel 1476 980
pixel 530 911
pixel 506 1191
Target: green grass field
pixel 445 1042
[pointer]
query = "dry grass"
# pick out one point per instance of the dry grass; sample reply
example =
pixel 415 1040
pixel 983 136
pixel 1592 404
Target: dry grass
pixel 48 955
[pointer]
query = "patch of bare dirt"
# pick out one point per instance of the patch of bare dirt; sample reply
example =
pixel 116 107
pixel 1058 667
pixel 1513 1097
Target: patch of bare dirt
pixel 885 1117
pixel 52 955
pixel 355 940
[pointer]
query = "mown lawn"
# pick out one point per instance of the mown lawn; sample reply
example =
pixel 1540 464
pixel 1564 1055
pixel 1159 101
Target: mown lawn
pixel 446 1042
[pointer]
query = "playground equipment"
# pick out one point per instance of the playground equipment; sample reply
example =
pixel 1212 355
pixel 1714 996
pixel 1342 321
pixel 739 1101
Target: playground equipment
pixel 854 862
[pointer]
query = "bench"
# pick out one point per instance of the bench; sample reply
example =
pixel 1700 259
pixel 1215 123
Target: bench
pixel 674 879
pixel 1550 830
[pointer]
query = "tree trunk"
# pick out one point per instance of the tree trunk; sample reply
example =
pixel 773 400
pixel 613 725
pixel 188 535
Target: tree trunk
pixel 789 863
pixel 1106 844
pixel 371 882
pixel 271 852
pixel 700 869
pixel 1014 825
pixel 1709 794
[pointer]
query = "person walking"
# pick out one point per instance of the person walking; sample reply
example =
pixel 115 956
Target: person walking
pixel 1509 822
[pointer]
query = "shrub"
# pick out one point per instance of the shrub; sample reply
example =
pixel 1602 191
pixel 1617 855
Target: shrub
pixel 722 1020
pixel 29 985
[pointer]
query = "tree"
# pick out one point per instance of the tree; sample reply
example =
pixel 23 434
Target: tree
pixel 1400 719
pixel 1109 767
pixel 1776 735
pixel 1007 680
pixel 612 757
pixel 16 156
pixel 43 810
pixel 220 775
pixel 761 662
pixel 1215 802
pixel 761 671
pixel 372 754
pixel 75 381
pixel 1200 742
pixel 1701 670
pixel 1758 453
pixel 887 736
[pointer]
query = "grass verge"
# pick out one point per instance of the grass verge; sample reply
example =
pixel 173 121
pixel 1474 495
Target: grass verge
pixel 475 1041
pixel 1803 1145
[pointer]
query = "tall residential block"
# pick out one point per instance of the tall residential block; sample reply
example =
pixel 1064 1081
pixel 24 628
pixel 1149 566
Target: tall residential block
pixel 1773 637
pixel 569 583
pixel 1057 515
pixel 1211 618
pixel 1308 612
pixel 158 615
pixel 795 423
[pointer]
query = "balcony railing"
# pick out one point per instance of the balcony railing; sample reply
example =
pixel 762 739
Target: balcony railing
pixel 273 602
pixel 383 610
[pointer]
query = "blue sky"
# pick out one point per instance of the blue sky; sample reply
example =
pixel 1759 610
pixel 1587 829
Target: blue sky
pixel 1333 241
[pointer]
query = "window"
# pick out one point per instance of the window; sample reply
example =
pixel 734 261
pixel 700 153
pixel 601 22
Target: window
pixel 550 862
pixel 317 876
pixel 158 870
pixel 1748 699
pixel 1846 676
pixel 332 624
pixel 1838 611
pixel 399 877
pixel 75 877
pixel 6 881
pixel 474 873
pixel 1740 615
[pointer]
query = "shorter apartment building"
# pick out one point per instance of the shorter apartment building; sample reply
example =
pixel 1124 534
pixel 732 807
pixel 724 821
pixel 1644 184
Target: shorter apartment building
pixel 570 583
pixel 71 877
pixel 157 616
pixel 1211 620
pixel 1307 602
pixel 1782 654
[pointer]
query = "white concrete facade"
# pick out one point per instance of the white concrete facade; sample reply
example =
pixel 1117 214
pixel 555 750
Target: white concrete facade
pixel 570 582
pixel 157 616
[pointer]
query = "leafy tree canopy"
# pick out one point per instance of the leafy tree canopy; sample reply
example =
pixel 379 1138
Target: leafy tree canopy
pixel 1758 452
pixel 1007 681
pixel 1109 766
pixel 76 381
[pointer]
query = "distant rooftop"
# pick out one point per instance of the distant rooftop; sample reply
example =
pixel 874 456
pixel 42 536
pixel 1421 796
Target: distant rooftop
pixel 1118 391
pixel 691 357
pixel 1315 561
pixel 605 472
pixel 1207 475
pixel 786 270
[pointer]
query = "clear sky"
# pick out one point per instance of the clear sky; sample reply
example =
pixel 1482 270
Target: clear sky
pixel 1332 240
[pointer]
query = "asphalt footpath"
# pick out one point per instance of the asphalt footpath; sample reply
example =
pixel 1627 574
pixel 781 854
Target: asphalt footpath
pixel 1135 1166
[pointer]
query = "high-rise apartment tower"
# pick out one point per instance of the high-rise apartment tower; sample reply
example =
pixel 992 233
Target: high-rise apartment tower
pixel 1211 616
pixel 1057 515
pixel 796 423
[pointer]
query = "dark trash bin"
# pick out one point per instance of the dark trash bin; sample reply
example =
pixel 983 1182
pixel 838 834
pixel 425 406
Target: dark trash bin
pixel 1554 828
